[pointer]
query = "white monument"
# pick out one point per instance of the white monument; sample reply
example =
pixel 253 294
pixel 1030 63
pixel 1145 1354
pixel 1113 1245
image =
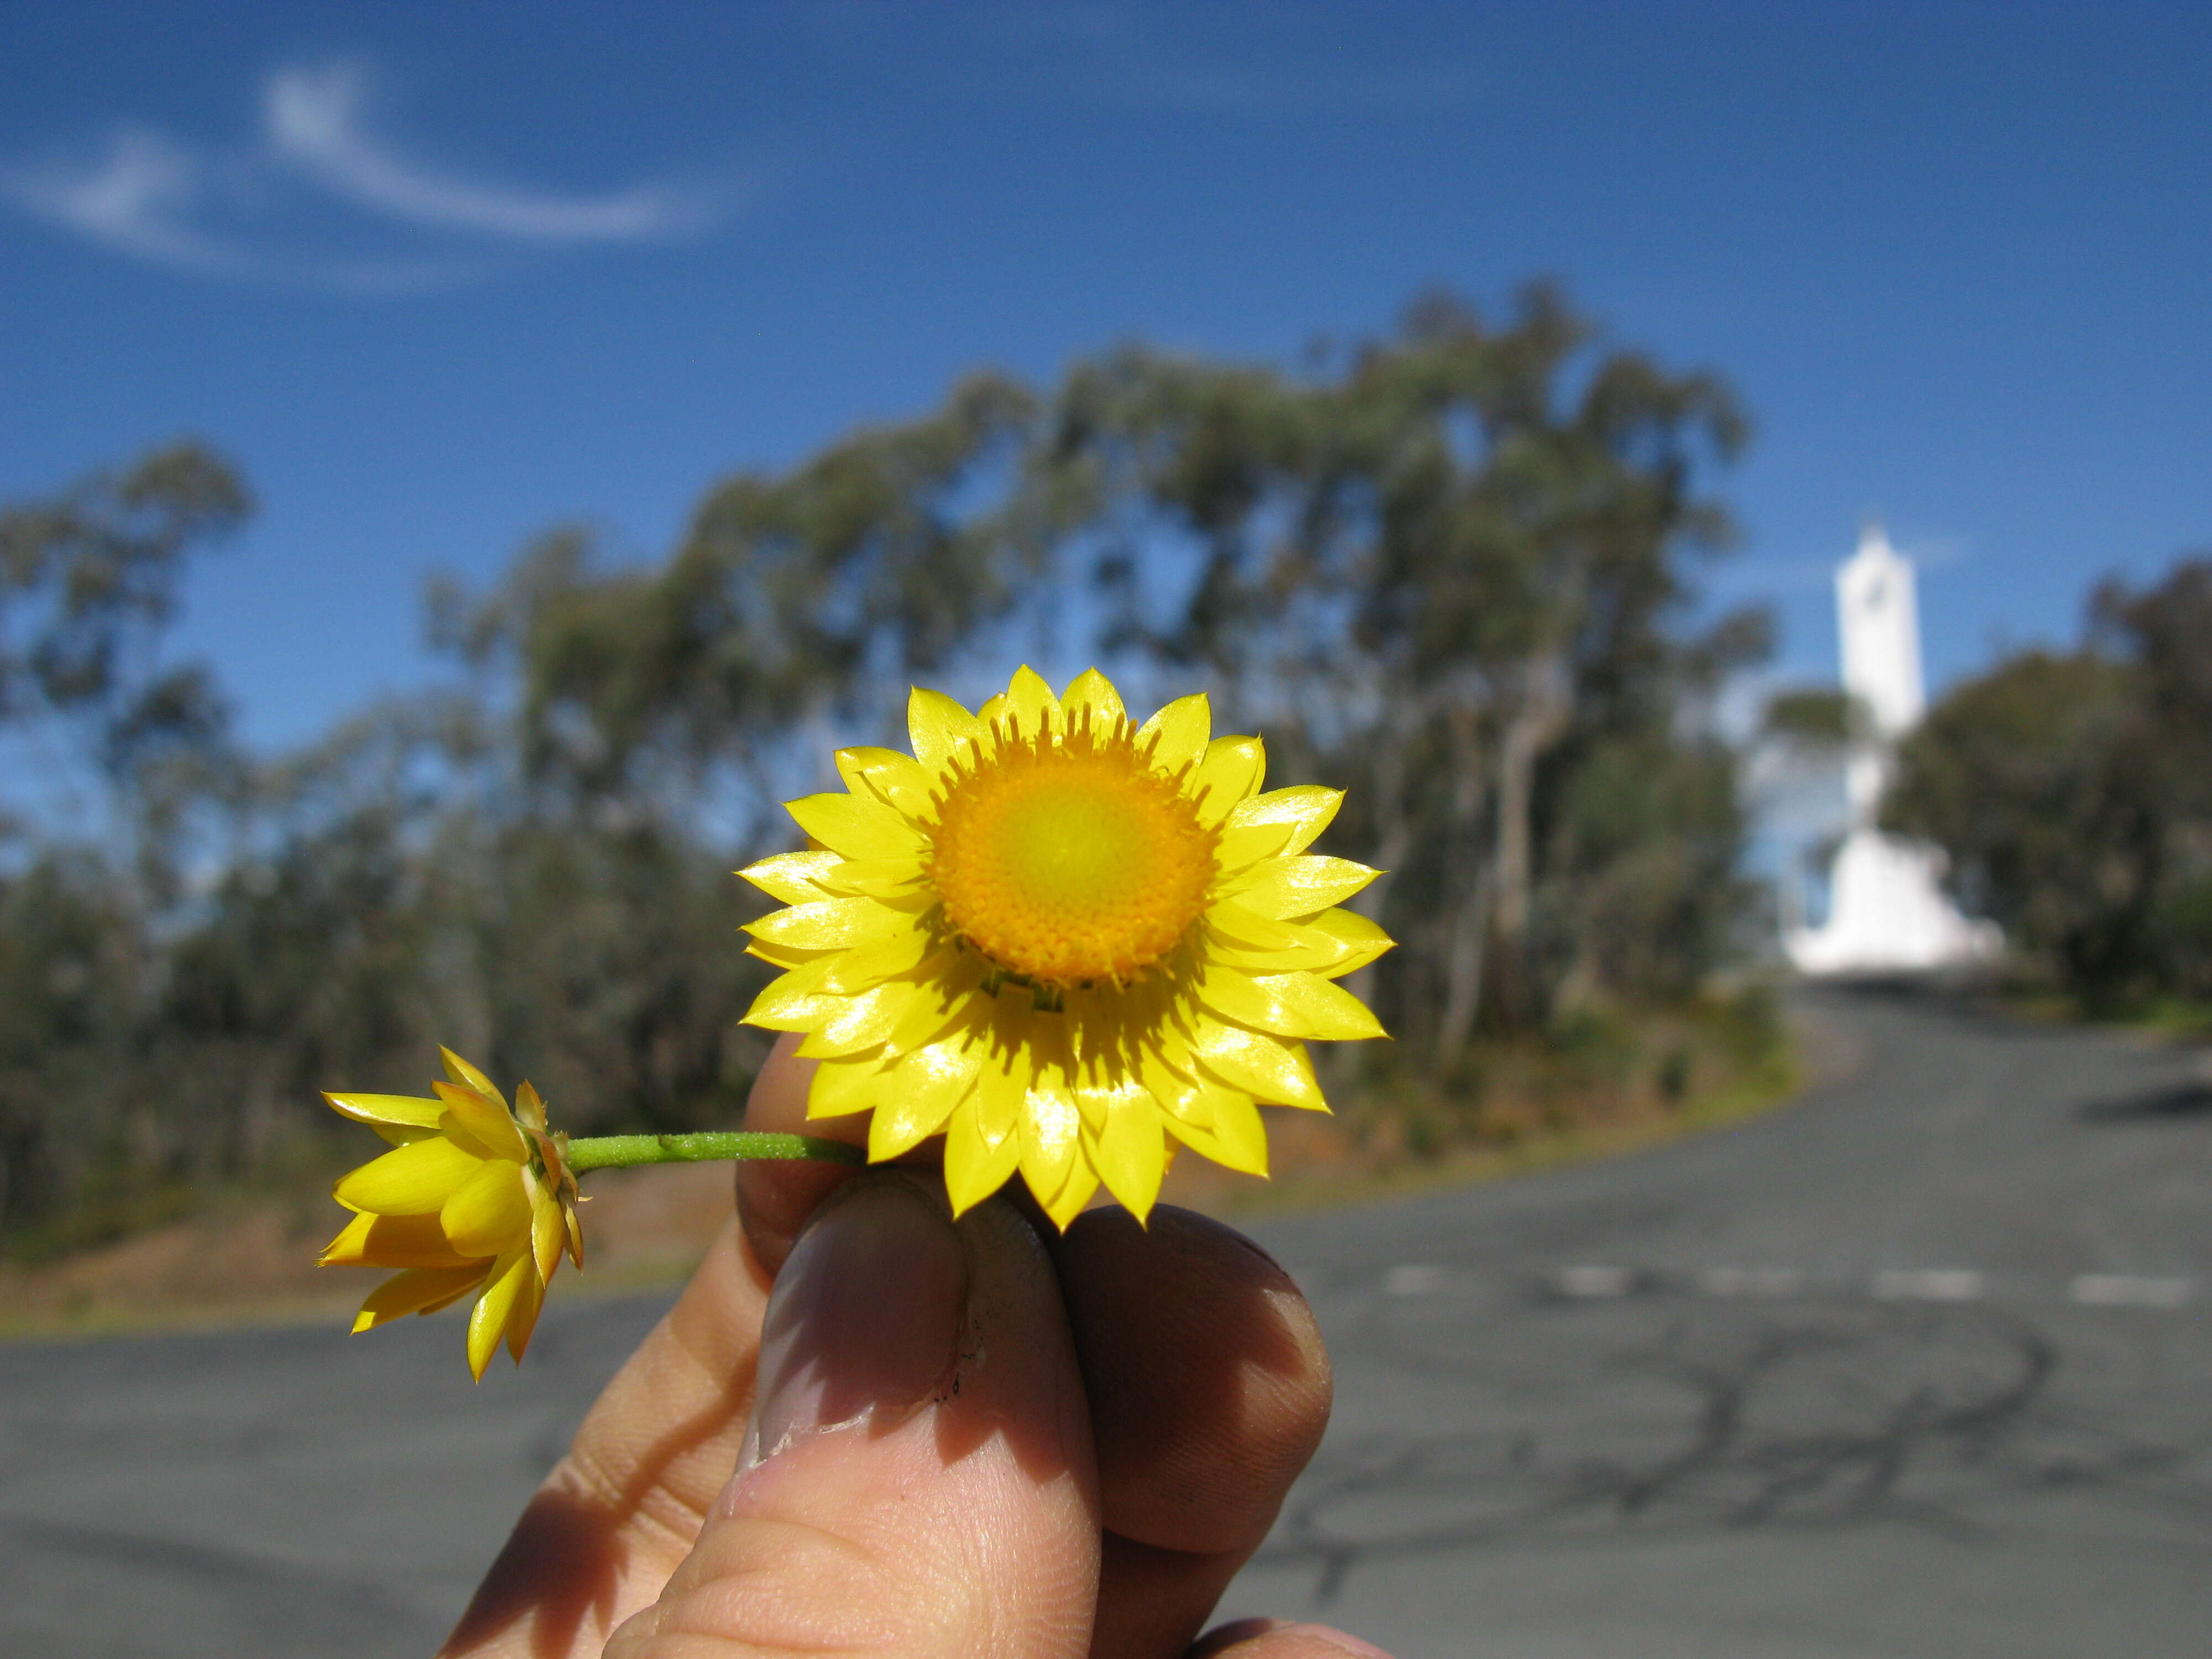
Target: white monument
pixel 1885 912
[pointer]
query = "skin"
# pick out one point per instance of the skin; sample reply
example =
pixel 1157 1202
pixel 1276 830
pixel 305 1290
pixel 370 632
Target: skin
pixel 1132 1404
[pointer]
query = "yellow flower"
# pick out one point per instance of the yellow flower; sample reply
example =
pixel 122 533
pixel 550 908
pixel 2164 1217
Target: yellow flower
pixel 1061 939
pixel 474 1196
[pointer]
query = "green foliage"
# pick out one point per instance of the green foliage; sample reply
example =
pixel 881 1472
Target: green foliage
pixel 1449 571
pixel 1817 720
pixel 1451 576
pixel 2071 792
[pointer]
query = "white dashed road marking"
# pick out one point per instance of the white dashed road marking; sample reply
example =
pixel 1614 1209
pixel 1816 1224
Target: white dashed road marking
pixel 1413 1278
pixel 2130 1291
pixel 1930 1284
pixel 1593 1280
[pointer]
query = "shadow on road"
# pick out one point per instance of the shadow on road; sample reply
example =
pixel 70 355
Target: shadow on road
pixel 2178 1100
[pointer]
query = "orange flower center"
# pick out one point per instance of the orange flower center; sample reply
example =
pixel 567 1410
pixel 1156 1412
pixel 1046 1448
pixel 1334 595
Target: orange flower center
pixel 1071 861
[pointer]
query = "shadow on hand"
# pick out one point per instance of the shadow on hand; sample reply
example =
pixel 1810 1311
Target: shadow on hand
pixel 1208 1381
pixel 568 1556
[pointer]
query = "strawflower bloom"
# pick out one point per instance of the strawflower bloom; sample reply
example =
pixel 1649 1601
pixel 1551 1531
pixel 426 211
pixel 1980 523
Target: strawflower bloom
pixel 473 1197
pixel 1066 941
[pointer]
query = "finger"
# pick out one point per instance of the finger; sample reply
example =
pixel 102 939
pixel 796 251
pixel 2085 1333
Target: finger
pixel 776 1195
pixel 1209 1389
pixel 622 1509
pixel 918 1479
pixel 1274 1639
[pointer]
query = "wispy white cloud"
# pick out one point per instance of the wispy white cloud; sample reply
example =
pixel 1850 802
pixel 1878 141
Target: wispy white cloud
pixel 312 118
pixel 137 195
pixel 218 211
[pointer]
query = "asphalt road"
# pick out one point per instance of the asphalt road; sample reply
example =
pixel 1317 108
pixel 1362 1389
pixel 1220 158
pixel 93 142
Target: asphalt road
pixel 1921 1366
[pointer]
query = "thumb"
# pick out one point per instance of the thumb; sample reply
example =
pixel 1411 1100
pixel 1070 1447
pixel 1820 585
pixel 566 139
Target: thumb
pixel 917 1479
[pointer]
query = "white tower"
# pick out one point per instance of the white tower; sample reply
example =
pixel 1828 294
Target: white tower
pixel 1887 913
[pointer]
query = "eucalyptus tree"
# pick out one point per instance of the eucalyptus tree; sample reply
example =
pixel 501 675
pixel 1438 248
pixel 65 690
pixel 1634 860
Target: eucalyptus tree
pixel 2069 789
pixel 1456 561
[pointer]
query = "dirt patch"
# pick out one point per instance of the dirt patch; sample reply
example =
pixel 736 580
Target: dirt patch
pixel 650 1226
pixel 643 1227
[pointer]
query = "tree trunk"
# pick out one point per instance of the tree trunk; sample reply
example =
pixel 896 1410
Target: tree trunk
pixel 1393 838
pixel 1470 923
pixel 1542 711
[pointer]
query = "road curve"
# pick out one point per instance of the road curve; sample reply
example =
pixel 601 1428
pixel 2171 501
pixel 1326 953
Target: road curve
pixel 1917 1367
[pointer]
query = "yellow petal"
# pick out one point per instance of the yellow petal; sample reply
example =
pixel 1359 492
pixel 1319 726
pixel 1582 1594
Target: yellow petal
pixel 1130 1152
pixel 470 1117
pixel 419 1290
pixel 396 1111
pixel 841 1087
pixel 1274 1070
pixel 1363 940
pixel 1169 1084
pixel 857 826
pixel 1001 1086
pixel 940 729
pixel 862 1022
pixel 830 922
pixel 867 966
pixel 522 1318
pixel 1289 1005
pixel 932 1082
pixel 1301 886
pixel 529 1108
pixel 1092 691
pixel 414 1180
pixel 1232 770
pixel 1096 1093
pixel 943 1000
pixel 1237 1139
pixel 795 1001
pixel 1180 729
pixel 794 877
pixel 1306 809
pixel 779 954
pixel 1030 701
pixel 974 1167
pixel 1322 1011
pixel 1239 848
pixel 1050 1130
pixel 468 1077
pixel 900 781
pixel 487 1319
pixel 903 883
pixel 1065 1205
pixel 1259 945
pixel 392 1241
pixel 490 1213
pixel 547 1229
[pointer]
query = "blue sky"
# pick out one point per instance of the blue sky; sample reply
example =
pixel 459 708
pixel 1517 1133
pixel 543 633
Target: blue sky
pixel 438 277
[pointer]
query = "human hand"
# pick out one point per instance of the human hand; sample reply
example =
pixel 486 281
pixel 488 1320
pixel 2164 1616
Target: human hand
pixel 949 1439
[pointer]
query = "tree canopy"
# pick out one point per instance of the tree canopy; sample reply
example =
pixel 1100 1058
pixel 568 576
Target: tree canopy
pixel 2072 792
pixel 1452 569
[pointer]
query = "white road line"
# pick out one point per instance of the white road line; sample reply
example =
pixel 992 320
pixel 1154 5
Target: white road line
pixel 2130 1291
pixel 1593 1280
pixel 1413 1278
pixel 1750 1281
pixel 1930 1284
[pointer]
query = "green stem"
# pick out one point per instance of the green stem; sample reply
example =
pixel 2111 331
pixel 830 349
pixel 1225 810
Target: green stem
pixel 621 1152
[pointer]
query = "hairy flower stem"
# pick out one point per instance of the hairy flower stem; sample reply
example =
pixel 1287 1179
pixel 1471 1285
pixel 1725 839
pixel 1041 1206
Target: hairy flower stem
pixel 622 1151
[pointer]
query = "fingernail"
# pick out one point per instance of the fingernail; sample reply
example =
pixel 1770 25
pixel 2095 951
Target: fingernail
pixel 864 1321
